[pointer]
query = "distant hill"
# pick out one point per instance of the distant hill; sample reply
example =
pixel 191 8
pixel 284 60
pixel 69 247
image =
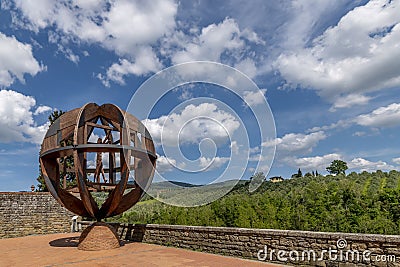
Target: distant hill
pixel 175 184
pixel 171 184
pixel 185 194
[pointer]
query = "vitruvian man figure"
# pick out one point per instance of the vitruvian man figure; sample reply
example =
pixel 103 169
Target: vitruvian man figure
pixel 99 158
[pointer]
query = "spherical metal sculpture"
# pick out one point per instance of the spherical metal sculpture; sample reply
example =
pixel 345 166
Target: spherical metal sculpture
pixel 69 142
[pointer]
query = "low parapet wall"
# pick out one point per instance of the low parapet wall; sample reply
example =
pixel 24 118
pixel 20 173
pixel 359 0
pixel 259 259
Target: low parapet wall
pixel 283 246
pixel 39 213
pixel 28 213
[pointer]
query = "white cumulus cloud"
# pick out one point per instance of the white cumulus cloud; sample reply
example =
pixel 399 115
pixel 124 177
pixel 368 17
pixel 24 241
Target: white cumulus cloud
pixel 42 109
pixel 221 42
pixel 193 124
pixel 212 163
pixel 234 147
pixel 132 23
pixel 254 98
pixel 358 55
pixel 396 160
pixel 129 28
pixel 211 43
pixel 16 119
pixel 349 101
pixel 366 165
pixel 165 164
pixel 381 117
pixel 248 67
pixel 296 143
pixel 16 60
pixel 117 25
pixel 145 62
pixel 312 163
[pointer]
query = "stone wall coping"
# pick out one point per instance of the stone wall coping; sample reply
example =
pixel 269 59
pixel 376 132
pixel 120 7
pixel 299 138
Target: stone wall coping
pixel 274 232
pixel 24 193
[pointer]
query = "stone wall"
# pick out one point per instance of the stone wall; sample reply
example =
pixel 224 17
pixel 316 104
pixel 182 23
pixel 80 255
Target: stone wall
pixel 291 245
pixel 28 213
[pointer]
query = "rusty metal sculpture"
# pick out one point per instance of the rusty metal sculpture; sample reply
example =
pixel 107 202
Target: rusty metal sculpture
pixel 69 137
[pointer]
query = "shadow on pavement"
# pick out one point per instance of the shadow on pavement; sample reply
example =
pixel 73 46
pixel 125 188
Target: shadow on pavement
pixel 65 242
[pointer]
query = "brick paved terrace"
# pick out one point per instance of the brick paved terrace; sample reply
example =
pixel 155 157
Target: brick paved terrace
pixel 61 250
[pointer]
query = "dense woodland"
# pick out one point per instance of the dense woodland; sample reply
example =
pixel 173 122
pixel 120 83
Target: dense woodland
pixel 356 203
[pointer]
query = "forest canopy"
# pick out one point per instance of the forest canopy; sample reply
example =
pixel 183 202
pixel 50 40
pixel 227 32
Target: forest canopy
pixel 353 203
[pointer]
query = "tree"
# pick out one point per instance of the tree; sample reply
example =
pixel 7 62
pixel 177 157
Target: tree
pixel 258 178
pixel 299 174
pixel 54 116
pixel 337 167
pixel 41 183
pixel 308 174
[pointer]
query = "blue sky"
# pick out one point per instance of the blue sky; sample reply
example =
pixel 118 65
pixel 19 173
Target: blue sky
pixel 328 69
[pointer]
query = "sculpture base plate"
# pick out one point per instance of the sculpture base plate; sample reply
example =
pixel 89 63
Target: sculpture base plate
pixel 99 236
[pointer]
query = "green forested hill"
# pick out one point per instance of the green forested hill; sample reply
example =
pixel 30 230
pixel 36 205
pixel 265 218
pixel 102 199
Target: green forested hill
pixel 357 203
